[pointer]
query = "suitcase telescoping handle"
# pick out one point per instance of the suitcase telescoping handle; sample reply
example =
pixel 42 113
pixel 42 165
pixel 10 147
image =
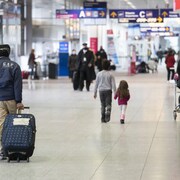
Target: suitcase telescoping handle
pixel 19 110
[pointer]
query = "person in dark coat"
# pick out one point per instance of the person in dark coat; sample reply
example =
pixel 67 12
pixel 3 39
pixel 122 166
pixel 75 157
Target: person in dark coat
pixel 85 64
pixel 160 55
pixel 101 53
pixel 10 88
pixel 32 64
pixel 100 56
pixel 72 63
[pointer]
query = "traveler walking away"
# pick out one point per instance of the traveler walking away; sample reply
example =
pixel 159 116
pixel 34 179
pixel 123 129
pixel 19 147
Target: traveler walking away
pixel 105 83
pixel 101 53
pixel 92 68
pixel 10 87
pixel 72 63
pixel 100 56
pixel 98 63
pixel 170 61
pixel 160 55
pixel 32 64
pixel 123 96
pixel 85 64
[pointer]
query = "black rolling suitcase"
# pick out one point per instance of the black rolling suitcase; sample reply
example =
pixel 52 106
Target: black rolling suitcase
pixel 18 136
pixel 75 80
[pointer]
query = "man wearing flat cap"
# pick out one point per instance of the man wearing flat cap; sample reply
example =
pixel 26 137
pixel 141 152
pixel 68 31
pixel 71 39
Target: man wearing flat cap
pixel 84 44
pixel 85 65
pixel 10 88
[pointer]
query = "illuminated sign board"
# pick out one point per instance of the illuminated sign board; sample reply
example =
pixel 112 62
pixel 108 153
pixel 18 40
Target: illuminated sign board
pixel 138 13
pixel 168 13
pixel 136 16
pixel 69 13
pixel 140 20
pixel 63 47
pixel 154 29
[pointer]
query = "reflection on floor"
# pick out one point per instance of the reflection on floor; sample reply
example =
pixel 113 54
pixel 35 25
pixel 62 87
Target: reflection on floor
pixel 73 144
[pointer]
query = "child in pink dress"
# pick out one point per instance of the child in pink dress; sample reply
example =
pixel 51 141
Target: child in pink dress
pixel 123 96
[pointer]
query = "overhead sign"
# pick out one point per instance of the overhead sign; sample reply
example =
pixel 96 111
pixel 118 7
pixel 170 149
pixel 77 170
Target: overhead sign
pixel 68 13
pixel 90 4
pixel 136 16
pixel 138 13
pixel 141 20
pixel 154 29
pixel 168 13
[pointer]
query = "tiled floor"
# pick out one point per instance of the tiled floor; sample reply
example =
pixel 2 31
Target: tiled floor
pixel 72 144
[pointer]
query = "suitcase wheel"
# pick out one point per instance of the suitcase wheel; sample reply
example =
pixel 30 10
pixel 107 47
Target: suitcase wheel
pixel 27 159
pixel 175 115
pixel 18 159
pixel 8 160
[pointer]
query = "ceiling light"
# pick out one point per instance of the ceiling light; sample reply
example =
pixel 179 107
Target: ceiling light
pixel 130 4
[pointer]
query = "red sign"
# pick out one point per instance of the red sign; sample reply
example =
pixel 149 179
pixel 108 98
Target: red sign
pixel 94 44
pixel 110 31
pixel 176 5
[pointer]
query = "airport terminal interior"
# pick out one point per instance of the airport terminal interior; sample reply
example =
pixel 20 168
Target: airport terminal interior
pixel 71 141
pixel 73 144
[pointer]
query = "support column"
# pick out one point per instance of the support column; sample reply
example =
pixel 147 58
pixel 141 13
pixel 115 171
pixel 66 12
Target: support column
pixel 29 27
pixel 26 26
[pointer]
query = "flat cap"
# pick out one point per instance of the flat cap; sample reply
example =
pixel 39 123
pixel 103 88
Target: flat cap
pixel 4 50
pixel 5 47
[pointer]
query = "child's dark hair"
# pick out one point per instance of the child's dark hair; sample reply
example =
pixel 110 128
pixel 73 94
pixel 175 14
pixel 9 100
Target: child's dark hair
pixel 105 64
pixel 123 90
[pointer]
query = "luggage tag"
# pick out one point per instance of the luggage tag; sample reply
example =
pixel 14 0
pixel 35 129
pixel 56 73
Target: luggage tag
pixel 21 121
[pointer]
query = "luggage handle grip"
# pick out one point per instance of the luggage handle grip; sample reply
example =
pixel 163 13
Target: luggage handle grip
pixel 19 110
pixel 26 107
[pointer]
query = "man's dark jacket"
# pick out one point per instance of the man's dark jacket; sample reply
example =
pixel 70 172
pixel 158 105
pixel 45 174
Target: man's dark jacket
pixel 10 80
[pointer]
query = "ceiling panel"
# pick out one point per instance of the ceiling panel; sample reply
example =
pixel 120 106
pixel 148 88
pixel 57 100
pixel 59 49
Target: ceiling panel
pixel 139 4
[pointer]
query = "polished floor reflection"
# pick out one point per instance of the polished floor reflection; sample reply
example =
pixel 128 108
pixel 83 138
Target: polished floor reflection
pixel 73 144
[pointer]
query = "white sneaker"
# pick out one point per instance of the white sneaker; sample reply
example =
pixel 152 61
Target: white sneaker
pixel 172 81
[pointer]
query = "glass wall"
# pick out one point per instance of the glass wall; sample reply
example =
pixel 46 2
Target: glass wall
pixel 11 28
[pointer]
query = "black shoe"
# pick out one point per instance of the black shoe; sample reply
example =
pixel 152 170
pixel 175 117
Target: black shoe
pixel 107 117
pixel 107 120
pixel 102 118
pixel 122 121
